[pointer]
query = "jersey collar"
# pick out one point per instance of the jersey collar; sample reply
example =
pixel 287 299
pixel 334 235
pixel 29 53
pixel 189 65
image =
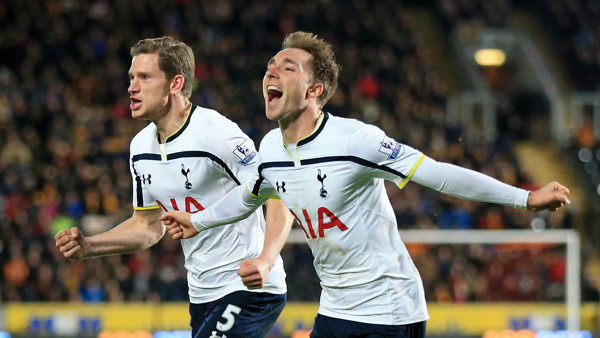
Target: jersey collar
pixel 180 130
pixel 316 132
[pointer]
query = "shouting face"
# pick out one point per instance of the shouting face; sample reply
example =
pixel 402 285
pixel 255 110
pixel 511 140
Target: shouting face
pixel 148 88
pixel 286 84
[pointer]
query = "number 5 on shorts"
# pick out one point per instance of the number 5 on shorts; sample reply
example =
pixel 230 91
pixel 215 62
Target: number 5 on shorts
pixel 230 319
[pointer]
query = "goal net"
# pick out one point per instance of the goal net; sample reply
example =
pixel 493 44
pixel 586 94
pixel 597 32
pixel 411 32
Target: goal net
pixel 566 240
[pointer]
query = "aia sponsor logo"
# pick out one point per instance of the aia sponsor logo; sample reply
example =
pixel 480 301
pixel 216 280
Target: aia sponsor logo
pixel 190 204
pixel 322 214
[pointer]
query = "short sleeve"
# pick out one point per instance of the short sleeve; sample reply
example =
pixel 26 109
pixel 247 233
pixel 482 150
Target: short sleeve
pixel 236 150
pixel 392 160
pixel 141 196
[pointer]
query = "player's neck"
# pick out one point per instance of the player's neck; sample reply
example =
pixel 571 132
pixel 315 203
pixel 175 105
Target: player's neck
pixel 300 127
pixel 176 115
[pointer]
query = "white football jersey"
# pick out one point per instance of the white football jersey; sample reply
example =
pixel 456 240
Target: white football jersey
pixel 333 182
pixel 206 158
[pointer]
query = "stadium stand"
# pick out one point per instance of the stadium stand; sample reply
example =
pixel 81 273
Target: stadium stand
pixel 65 127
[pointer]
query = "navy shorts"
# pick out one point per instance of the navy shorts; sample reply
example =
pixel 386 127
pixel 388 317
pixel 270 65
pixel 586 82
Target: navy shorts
pixel 333 328
pixel 240 314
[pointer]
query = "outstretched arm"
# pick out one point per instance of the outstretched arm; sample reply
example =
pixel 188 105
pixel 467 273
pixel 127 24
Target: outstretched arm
pixel 551 197
pixel 469 184
pixel 236 205
pixel 254 271
pixel 140 231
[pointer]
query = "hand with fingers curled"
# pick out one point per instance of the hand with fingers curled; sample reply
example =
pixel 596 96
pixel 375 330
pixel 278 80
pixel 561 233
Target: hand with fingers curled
pixel 551 197
pixel 71 243
pixel 254 272
pixel 175 230
pixel 179 224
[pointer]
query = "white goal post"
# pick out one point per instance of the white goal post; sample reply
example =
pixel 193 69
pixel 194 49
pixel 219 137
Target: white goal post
pixel 568 237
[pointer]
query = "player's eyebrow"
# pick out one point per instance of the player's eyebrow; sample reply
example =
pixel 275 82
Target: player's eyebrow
pixel 133 74
pixel 285 60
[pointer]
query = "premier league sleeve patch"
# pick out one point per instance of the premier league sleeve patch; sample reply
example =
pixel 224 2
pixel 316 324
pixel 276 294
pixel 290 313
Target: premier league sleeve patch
pixel 246 154
pixel 391 148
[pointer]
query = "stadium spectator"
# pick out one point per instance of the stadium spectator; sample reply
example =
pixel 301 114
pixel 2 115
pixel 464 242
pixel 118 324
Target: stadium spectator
pixel 63 85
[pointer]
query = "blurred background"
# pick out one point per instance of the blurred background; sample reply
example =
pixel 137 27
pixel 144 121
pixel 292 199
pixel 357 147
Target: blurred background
pixel 507 88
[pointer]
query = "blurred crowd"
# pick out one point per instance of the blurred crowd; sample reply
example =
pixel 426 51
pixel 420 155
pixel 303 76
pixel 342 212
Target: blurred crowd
pixel 574 25
pixel 65 129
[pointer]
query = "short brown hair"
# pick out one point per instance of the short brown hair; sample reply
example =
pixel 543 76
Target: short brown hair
pixel 174 58
pixel 325 68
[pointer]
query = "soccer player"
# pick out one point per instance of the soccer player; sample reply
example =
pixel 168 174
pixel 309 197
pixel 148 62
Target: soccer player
pixel 187 158
pixel 330 171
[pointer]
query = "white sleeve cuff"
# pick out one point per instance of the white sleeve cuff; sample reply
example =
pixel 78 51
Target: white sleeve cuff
pixel 522 198
pixel 200 220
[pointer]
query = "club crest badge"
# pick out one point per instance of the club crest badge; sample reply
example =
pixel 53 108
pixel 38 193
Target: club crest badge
pixel 323 193
pixel 185 173
pixel 391 148
pixel 246 154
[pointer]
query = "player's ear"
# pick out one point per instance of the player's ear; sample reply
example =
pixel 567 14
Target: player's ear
pixel 177 84
pixel 315 90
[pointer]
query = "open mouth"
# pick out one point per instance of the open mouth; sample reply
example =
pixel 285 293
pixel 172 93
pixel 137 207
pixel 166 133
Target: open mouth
pixel 273 94
pixel 135 104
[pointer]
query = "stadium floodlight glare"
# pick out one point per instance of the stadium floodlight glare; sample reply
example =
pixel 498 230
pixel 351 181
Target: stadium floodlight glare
pixel 490 57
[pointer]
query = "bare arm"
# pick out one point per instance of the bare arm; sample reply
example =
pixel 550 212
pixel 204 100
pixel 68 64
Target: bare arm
pixel 142 230
pixel 278 225
pixel 254 271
